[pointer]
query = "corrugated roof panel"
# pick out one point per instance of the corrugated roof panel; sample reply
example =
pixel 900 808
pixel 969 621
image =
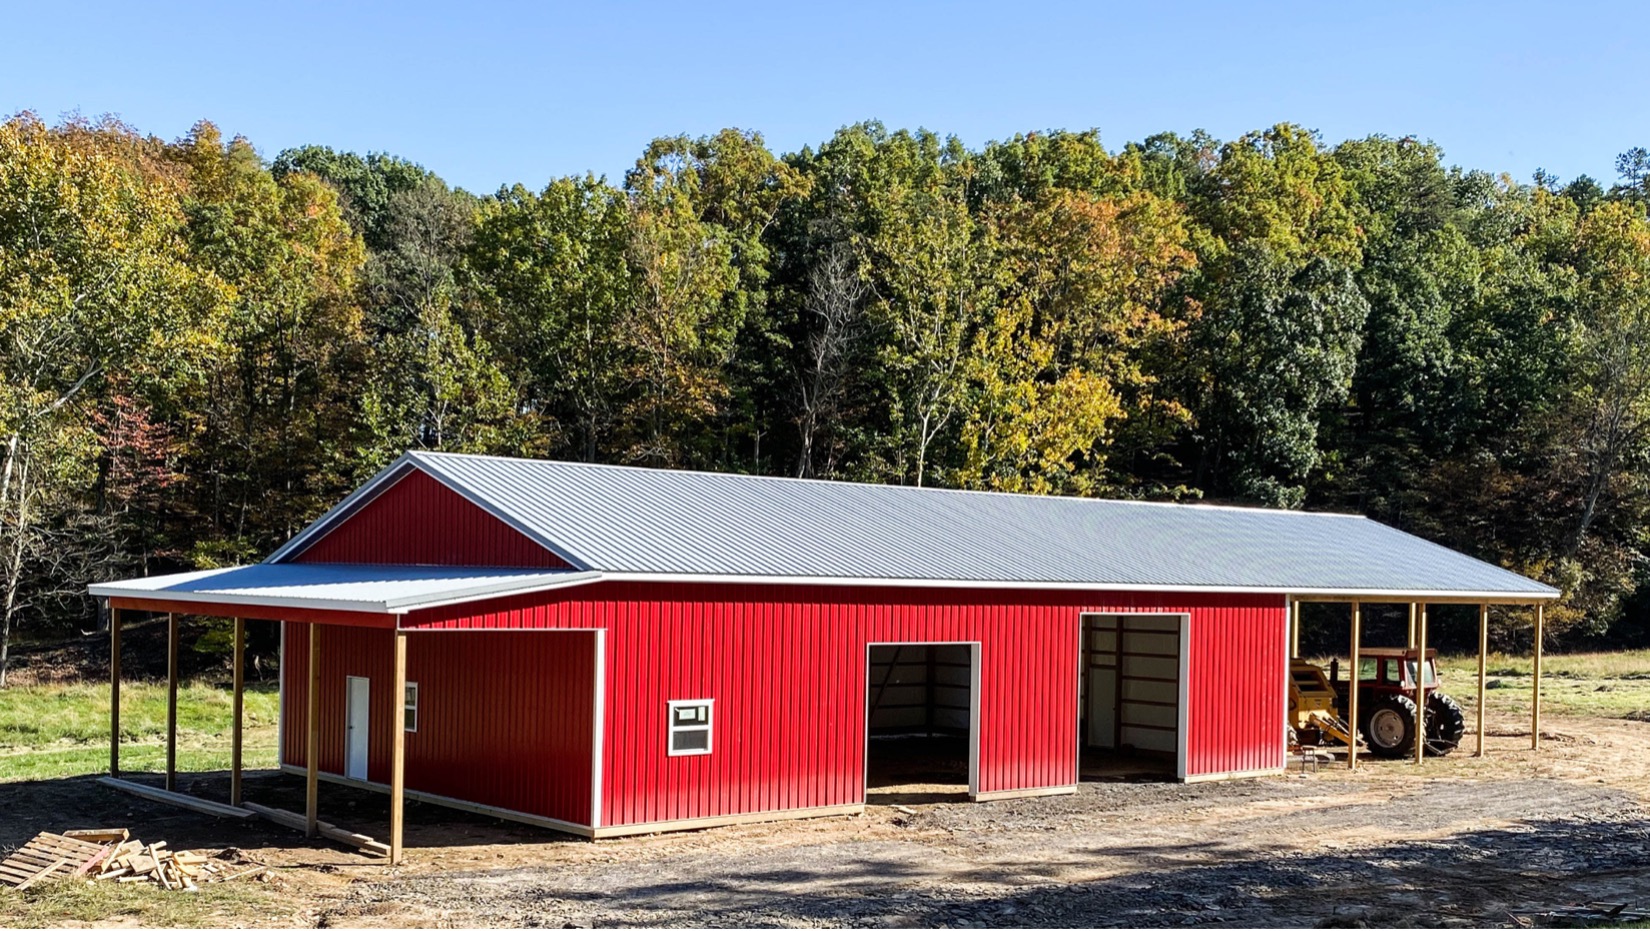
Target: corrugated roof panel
pixel 622 520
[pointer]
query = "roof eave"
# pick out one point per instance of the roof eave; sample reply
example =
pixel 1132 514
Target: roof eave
pixel 1428 595
pixel 392 606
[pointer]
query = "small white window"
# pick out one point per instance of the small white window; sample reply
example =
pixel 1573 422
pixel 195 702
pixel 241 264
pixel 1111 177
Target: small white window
pixel 409 708
pixel 690 727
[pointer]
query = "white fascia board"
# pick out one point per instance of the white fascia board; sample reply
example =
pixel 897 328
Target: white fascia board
pixel 389 606
pixel 239 598
pixel 881 582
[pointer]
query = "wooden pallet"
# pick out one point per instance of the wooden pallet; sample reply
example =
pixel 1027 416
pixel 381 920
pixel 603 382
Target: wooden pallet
pixel 49 855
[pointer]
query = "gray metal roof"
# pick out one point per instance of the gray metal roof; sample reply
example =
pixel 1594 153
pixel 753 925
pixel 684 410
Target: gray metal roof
pixel 647 523
pixel 367 588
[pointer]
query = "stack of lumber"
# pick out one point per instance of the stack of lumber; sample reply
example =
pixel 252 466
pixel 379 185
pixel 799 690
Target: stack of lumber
pixel 133 861
pixel 111 854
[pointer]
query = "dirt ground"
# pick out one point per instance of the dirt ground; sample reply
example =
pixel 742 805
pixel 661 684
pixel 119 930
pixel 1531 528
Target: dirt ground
pixel 1459 842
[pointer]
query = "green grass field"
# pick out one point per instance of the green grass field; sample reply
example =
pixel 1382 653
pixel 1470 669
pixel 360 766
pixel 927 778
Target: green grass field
pixel 52 731
pixel 1605 685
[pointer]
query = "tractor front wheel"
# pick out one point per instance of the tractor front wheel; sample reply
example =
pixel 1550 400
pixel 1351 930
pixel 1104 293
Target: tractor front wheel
pixel 1389 726
pixel 1446 724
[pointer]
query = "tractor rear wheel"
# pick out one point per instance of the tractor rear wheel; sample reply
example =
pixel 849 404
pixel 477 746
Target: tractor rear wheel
pixel 1389 726
pixel 1446 724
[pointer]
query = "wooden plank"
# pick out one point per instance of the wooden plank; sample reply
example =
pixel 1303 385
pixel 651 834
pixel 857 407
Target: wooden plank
pixel 398 750
pixel 1352 693
pixel 312 745
pixel 41 875
pixel 99 835
pixel 94 860
pixel 1535 680
pixel 171 702
pixel 205 807
pixel 297 822
pixel 1483 669
pixel 1420 686
pixel 114 691
pixel 237 706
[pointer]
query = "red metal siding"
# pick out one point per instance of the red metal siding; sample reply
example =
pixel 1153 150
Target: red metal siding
pixel 787 667
pixel 1235 694
pixel 505 719
pixel 419 521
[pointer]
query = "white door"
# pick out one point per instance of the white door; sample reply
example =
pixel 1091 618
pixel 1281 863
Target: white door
pixel 355 760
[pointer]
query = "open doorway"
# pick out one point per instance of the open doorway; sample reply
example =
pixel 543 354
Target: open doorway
pixel 1131 696
pixel 921 721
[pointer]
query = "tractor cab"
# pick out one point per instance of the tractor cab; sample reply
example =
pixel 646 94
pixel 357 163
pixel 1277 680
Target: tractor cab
pixel 1388 670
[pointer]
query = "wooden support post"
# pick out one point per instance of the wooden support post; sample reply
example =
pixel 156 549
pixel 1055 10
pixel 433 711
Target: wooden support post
pixel 114 692
pixel 398 748
pixel 1535 680
pixel 1420 685
pixel 312 745
pixel 1352 690
pixel 1295 631
pixel 237 703
pixel 171 702
pixel 1483 669
pixel 1410 643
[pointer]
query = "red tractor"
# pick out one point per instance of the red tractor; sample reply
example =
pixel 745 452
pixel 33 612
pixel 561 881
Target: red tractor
pixel 1386 703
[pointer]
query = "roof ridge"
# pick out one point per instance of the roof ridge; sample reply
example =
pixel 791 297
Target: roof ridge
pixel 1247 509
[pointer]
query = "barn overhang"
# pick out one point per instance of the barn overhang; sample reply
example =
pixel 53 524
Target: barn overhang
pixel 328 593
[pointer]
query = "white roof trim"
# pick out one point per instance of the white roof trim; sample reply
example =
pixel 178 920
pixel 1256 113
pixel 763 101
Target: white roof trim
pixel 459 594
pixel 882 582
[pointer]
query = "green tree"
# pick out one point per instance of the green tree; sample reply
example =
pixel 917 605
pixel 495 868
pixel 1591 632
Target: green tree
pixel 94 281
pixel 551 269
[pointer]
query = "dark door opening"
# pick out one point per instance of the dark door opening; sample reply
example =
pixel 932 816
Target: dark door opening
pixel 1129 696
pixel 919 712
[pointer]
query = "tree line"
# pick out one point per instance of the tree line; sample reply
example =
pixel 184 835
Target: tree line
pixel 203 349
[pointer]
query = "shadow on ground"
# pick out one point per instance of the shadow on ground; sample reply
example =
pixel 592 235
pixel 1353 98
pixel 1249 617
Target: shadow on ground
pixel 1469 879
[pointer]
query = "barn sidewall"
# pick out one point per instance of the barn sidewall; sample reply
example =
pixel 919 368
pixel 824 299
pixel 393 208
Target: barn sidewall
pixel 786 667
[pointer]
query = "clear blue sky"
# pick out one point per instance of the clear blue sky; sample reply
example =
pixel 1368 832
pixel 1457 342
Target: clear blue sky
pixel 490 93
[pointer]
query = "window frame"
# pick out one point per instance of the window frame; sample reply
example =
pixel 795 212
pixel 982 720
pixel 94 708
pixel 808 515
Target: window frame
pixel 672 728
pixel 412 707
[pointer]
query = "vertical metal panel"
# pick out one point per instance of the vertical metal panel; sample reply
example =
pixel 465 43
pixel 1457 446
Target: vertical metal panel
pixel 786 665
pixel 419 521
pixel 504 719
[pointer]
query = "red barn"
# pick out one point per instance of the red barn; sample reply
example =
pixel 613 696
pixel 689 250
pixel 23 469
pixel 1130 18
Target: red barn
pixel 609 650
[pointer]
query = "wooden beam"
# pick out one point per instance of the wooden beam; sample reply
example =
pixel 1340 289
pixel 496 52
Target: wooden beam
pixel 114 692
pixel 1410 643
pixel 171 702
pixel 398 749
pixel 237 702
pixel 1535 681
pixel 1295 630
pixel 216 809
pixel 297 822
pixel 312 745
pixel 1352 690
pixel 1420 682
pixel 1483 669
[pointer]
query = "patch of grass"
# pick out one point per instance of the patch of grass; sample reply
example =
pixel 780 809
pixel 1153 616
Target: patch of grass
pixel 1609 685
pixel 82 901
pixel 53 731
